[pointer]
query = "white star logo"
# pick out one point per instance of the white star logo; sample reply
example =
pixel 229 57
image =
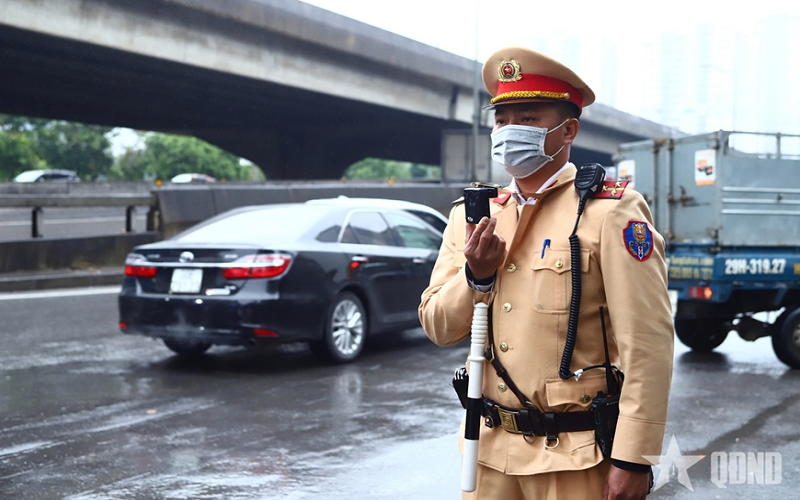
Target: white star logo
pixel 673 464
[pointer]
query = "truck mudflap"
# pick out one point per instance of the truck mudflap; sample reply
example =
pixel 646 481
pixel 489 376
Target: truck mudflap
pixel 706 272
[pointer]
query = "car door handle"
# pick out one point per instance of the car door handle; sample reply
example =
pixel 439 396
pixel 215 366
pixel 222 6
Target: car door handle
pixel 360 259
pixel 418 260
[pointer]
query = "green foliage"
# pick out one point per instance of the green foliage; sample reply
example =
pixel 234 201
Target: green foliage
pixel 165 156
pixel 75 146
pixel 376 168
pixel 18 153
pixel 32 143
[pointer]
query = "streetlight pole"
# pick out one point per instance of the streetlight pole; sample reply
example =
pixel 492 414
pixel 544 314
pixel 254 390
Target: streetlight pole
pixel 476 101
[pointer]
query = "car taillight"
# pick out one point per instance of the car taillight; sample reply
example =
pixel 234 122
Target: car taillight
pixel 236 273
pixel 264 333
pixel 258 266
pixel 140 271
pixel 700 292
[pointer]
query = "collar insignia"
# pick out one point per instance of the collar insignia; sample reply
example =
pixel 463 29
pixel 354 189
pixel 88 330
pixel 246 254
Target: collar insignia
pixel 502 198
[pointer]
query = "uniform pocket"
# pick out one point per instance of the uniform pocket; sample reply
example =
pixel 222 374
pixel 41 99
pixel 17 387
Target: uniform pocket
pixel 574 395
pixel 552 285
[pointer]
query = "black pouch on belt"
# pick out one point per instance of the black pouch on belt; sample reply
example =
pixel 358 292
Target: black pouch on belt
pixel 606 413
pixel 461 384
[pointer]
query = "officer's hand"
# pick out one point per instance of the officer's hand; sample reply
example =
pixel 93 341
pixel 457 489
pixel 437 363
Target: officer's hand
pixel 484 250
pixel 626 485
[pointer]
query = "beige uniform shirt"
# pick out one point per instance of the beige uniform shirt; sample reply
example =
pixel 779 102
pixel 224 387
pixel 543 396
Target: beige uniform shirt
pixel 530 307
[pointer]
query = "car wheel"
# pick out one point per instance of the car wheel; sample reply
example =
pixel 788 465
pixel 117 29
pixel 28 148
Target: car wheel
pixel 185 347
pixel 345 329
pixel 703 335
pixel 786 338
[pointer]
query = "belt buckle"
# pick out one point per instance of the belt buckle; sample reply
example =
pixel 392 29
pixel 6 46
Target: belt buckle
pixel 508 420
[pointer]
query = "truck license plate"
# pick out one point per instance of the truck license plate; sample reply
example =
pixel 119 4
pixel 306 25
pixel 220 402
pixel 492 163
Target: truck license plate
pixel 186 281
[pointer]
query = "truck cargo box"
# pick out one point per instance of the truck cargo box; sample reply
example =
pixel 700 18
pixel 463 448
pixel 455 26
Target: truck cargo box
pixel 702 189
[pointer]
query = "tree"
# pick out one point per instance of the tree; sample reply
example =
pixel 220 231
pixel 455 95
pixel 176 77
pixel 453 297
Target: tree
pixel 76 146
pixel 18 153
pixel 376 168
pixel 34 143
pixel 166 156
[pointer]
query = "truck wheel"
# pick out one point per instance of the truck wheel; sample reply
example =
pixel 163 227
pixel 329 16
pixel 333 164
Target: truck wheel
pixel 186 348
pixel 786 338
pixel 345 330
pixel 703 335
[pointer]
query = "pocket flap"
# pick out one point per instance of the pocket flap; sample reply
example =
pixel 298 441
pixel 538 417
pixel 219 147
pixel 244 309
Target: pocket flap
pixel 559 261
pixel 571 392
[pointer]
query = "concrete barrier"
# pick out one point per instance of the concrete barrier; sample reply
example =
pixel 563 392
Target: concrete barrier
pixel 76 188
pixel 70 253
pixel 180 207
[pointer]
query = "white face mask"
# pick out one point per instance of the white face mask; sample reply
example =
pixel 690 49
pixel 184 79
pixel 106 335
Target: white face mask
pixel 520 149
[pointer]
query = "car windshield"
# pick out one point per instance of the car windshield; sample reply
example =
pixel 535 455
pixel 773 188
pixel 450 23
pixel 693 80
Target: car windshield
pixel 28 176
pixel 279 222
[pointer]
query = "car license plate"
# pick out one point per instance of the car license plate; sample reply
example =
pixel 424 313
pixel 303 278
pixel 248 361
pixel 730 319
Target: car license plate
pixel 186 281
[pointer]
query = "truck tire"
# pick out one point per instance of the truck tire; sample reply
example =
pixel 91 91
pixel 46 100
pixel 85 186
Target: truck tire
pixel 702 335
pixel 786 338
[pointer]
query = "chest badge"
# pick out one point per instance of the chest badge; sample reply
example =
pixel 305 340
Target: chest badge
pixel 638 240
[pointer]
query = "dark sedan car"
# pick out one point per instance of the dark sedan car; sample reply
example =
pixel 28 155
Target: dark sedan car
pixel 330 274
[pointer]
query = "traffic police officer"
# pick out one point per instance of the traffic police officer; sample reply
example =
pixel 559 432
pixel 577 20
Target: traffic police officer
pixel 518 261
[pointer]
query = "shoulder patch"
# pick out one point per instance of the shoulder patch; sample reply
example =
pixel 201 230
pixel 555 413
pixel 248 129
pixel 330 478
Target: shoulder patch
pixel 638 240
pixel 612 190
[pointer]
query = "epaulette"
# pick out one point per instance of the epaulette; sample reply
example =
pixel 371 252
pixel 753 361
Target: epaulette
pixel 458 201
pixel 612 190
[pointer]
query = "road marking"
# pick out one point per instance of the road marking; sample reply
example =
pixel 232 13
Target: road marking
pixel 72 292
pixel 27 447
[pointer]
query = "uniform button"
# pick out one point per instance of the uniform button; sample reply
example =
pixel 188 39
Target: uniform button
pixel 511 268
pixel 559 264
pixel 502 387
pixel 503 346
pixel 506 307
pixel 585 398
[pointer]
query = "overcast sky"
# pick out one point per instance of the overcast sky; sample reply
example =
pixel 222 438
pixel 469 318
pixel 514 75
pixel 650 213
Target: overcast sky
pixel 451 24
pixel 617 46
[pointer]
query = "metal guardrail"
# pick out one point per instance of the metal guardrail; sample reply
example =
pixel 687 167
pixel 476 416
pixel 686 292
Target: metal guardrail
pixel 70 200
pixel 37 202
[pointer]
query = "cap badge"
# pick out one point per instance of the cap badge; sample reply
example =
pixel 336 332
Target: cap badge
pixel 509 71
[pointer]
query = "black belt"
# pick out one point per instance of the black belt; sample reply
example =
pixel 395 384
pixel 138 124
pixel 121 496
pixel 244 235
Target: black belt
pixel 532 422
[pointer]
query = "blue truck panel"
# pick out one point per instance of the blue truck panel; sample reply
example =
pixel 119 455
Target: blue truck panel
pixel 727 269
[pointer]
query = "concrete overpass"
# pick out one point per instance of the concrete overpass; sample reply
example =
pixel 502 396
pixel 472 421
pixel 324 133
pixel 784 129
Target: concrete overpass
pixel 300 91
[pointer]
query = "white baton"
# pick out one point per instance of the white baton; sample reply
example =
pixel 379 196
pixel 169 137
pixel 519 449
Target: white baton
pixel 472 429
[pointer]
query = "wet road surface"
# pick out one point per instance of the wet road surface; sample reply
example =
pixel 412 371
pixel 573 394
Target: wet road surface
pixel 89 413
